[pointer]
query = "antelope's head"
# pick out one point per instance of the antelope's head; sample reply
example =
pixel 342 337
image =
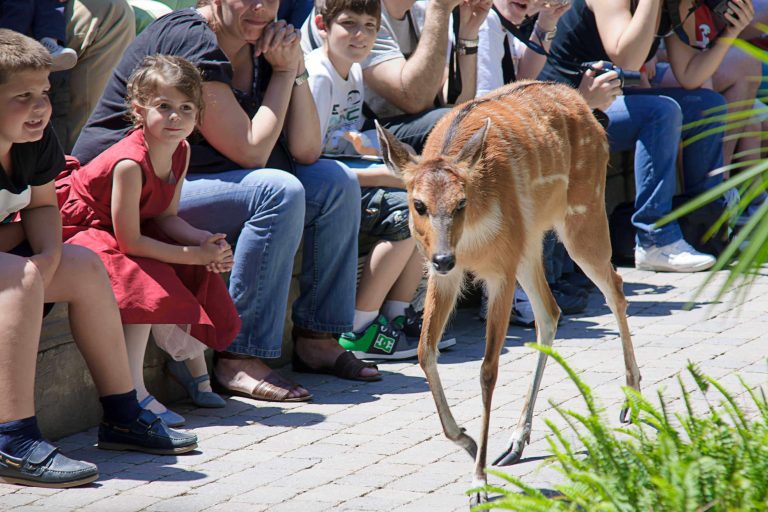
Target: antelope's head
pixel 437 193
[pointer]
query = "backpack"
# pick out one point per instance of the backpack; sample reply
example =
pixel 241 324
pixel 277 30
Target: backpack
pixel 694 227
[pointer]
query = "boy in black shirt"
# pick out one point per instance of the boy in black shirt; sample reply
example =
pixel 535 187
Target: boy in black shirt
pixel 35 267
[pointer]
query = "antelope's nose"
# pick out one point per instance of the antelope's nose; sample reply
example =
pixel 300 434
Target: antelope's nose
pixel 443 262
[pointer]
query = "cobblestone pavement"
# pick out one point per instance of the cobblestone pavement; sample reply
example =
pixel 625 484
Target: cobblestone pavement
pixel 379 446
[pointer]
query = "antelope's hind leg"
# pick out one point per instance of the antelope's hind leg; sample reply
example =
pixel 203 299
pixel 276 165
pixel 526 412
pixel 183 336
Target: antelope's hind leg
pixel 530 275
pixel 587 240
pixel 438 305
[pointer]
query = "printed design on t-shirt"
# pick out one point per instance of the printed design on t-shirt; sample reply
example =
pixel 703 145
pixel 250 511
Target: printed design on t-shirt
pixel 344 118
pixel 705 26
pixel 11 203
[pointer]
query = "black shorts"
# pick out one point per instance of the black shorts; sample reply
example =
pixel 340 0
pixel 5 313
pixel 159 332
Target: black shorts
pixel 25 251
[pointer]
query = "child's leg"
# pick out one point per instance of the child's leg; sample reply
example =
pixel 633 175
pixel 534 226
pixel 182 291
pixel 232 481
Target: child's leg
pixel 21 313
pixel 402 292
pixel 136 339
pixel 198 367
pixel 94 318
pixel 738 79
pixel 382 270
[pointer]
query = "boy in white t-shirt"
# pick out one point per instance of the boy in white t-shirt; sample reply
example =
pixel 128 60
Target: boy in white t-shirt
pixel 385 326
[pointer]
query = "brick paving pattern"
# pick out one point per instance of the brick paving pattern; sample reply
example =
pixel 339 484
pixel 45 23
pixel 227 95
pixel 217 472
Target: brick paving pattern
pixel 379 446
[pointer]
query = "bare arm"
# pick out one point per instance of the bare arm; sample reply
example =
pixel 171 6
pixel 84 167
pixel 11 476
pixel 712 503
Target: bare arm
pixel 377 176
pixel 225 125
pixel 531 63
pixel 692 67
pixel 126 194
pixel 627 38
pixel 302 123
pixel 412 85
pixel 42 224
pixel 472 14
pixel 176 227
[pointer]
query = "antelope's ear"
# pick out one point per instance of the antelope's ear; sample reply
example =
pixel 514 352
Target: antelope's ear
pixel 472 151
pixel 396 154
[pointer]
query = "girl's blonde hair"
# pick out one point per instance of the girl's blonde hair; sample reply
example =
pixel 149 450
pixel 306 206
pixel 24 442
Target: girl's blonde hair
pixel 158 70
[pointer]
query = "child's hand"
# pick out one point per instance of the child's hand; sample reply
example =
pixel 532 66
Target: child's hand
pixel 215 249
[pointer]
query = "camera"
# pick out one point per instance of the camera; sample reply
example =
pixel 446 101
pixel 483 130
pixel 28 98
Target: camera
pixel 718 7
pixel 627 79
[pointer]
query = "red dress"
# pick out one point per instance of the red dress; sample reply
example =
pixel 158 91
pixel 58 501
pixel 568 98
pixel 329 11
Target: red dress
pixel 148 291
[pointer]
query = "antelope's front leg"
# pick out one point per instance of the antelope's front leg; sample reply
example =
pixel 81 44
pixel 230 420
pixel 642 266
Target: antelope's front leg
pixel 438 304
pixel 500 296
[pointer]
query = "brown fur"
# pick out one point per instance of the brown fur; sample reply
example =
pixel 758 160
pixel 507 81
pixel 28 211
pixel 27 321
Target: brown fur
pixel 524 159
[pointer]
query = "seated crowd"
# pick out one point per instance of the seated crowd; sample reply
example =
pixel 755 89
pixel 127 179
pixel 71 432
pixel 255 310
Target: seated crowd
pixel 223 139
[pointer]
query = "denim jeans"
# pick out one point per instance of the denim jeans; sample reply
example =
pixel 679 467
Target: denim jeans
pixel 265 212
pixel 650 122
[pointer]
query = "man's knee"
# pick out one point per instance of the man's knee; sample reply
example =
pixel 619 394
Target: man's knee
pixel 666 111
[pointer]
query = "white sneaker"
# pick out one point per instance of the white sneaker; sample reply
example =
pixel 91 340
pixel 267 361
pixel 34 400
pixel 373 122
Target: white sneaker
pixel 675 257
pixel 63 58
pixel 522 312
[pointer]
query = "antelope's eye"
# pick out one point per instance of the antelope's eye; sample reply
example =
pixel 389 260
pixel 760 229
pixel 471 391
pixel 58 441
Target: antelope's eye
pixel 420 207
pixel 462 204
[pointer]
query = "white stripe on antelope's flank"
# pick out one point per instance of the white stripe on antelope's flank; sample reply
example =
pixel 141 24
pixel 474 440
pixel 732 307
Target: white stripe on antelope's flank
pixel 577 209
pixel 548 180
pixel 480 233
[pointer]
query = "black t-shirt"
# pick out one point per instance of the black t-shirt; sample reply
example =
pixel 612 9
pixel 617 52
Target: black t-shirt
pixel 184 33
pixel 578 41
pixel 33 164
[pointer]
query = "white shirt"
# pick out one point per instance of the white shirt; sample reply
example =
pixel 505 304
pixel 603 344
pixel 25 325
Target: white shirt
pixel 490 52
pixel 391 43
pixel 339 102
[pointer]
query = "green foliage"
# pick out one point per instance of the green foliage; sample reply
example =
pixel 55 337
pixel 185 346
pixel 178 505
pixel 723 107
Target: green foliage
pixel 751 180
pixel 689 461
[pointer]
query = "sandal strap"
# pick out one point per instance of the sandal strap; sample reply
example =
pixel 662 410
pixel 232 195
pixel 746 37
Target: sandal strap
pixel 348 366
pixel 270 387
pixel 201 378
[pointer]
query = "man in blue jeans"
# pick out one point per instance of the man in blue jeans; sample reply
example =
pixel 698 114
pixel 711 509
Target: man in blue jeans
pixel 650 122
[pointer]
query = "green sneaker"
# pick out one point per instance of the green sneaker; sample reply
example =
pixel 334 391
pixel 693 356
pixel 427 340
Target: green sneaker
pixel 380 340
pixel 410 325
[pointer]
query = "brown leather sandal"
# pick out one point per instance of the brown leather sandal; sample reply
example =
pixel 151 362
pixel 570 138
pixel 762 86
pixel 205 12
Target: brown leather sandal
pixel 272 388
pixel 346 366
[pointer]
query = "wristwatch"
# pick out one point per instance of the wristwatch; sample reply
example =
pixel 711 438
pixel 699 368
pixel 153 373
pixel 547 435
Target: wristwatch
pixel 302 78
pixel 466 46
pixel 543 35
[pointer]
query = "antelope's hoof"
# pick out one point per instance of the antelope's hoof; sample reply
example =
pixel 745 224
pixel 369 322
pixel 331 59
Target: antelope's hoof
pixel 624 416
pixel 468 444
pixel 513 453
pixel 477 498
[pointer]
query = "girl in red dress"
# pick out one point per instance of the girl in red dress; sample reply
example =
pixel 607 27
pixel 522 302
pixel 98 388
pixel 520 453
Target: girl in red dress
pixel 123 205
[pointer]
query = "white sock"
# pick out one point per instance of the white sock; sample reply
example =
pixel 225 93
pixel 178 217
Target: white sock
pixel 394 308
pixel 363 319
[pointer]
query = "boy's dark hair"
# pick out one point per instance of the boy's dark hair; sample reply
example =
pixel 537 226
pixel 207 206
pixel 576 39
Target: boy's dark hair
pixel 21 53
pixel 169 70
pixel 330 9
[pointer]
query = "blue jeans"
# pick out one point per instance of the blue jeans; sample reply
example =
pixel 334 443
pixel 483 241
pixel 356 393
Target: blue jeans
pixel 650 122
pixel 265 212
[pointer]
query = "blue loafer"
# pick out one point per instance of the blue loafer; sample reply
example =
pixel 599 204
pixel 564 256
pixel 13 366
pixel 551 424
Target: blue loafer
pixel 44 466
pixel 180 373
pixel 148 434
pixel 169 417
